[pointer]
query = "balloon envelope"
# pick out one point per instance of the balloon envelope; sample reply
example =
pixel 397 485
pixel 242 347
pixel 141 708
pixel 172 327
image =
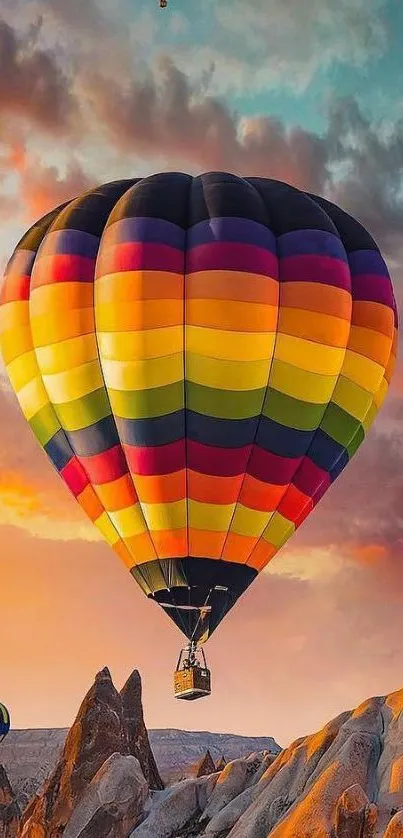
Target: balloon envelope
pixel 4 721
pixel 200 358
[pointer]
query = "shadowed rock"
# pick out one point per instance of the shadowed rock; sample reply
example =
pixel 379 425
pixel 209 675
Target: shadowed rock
pixel 139 744
pixel 203 767
pixel 9 811
pixel 116 796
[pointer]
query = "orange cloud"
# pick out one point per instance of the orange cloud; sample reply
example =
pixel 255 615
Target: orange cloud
pixel 369 554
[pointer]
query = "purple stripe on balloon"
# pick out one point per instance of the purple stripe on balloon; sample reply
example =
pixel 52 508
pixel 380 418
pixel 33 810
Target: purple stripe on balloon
pixel 308 268
pixel 374 288
pixel 70 241
pixel 229 256
pixel 271 468
pixel 314 242
pixel 139 256
pixel 310 477
pixel 367 262
pixel 21 263
pixel 144 230
pixel 240 230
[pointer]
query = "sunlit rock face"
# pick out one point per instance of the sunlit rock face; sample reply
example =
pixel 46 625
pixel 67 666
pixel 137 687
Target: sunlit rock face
pixel 345 781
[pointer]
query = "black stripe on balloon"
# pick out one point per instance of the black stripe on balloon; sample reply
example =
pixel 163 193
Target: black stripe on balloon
pixel 223 433
pixel 160 430
pixel 95 439
pixel 283 441
pixel 338 467
pixel 59 450
pixel 324 451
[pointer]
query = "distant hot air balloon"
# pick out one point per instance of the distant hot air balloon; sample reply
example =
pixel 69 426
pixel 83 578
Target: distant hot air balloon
pixel 200 358
pixel 4 722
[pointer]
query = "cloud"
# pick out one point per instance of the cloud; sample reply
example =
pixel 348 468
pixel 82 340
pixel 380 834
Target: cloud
pixel 32 495
pixel 44 187
pixel 162 115
pixel 33 88
pixel 265 44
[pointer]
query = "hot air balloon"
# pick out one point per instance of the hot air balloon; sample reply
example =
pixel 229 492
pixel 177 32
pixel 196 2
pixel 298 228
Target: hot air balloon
pixel 200 358
pixel 4 722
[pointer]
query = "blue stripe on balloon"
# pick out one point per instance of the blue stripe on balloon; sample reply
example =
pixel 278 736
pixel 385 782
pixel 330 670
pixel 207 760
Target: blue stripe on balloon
pixel 160 430
pixel 239 230
pixel 324 451
pixel 310 242
pixel 144 229
pixel 282 441
pixel 59 450
pixel 223 433
pixel 95 439
pixel 70 241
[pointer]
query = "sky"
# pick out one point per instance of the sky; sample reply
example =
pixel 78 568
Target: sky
pixel 305 92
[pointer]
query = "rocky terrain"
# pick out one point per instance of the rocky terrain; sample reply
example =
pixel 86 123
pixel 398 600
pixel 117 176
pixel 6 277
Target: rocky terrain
pixel 30 755
pixel 345 781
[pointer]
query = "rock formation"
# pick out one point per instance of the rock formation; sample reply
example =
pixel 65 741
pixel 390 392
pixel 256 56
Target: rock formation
pixel 221 763
pixel 203 767
pixel 139 744
pixel 345 781
pixel 9 811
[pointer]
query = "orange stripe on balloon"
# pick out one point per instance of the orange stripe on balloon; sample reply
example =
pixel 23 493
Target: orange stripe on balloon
pixel 372 315
pixel 238 548
pixel 313 296
pixel 232 285
pixel 264 497
pixel 206 544
pixel 261 555
pixel 170 544
pixel 90 503
pixel 118 494
pixel 208 488
pixel 141 548
pixel 235 316
pixel 161 488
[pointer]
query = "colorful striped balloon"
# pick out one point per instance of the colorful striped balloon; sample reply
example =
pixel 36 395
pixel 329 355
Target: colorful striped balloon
pixel 4 722
pixel 200 358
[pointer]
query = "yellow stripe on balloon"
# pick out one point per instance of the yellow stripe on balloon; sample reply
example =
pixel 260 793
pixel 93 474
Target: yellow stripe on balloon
pixel 128 521
pixel 278 530
pixel 249 522
pixel 352 398
pixel 143 375
pixel 14 315
pixel 73 384
pixel 59 296
pixel 165 516
pixel 33 397
pixel 227 375
pixel 362 371
pixel 233 346
pixel 300 384
pixel 73 323
pixel 60 357
pixel 209 516
pixel 22 370
pixel 310 356
pixel 15 342
pixel 141 345
pixel 107 529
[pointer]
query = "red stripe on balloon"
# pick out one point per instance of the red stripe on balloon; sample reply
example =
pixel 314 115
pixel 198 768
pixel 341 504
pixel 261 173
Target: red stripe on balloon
pixel 107 466
pixel 157 459
pixel 63 267
pixel 74 475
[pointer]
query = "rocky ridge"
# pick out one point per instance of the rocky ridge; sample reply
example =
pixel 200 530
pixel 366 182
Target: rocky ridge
pixel 345 781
